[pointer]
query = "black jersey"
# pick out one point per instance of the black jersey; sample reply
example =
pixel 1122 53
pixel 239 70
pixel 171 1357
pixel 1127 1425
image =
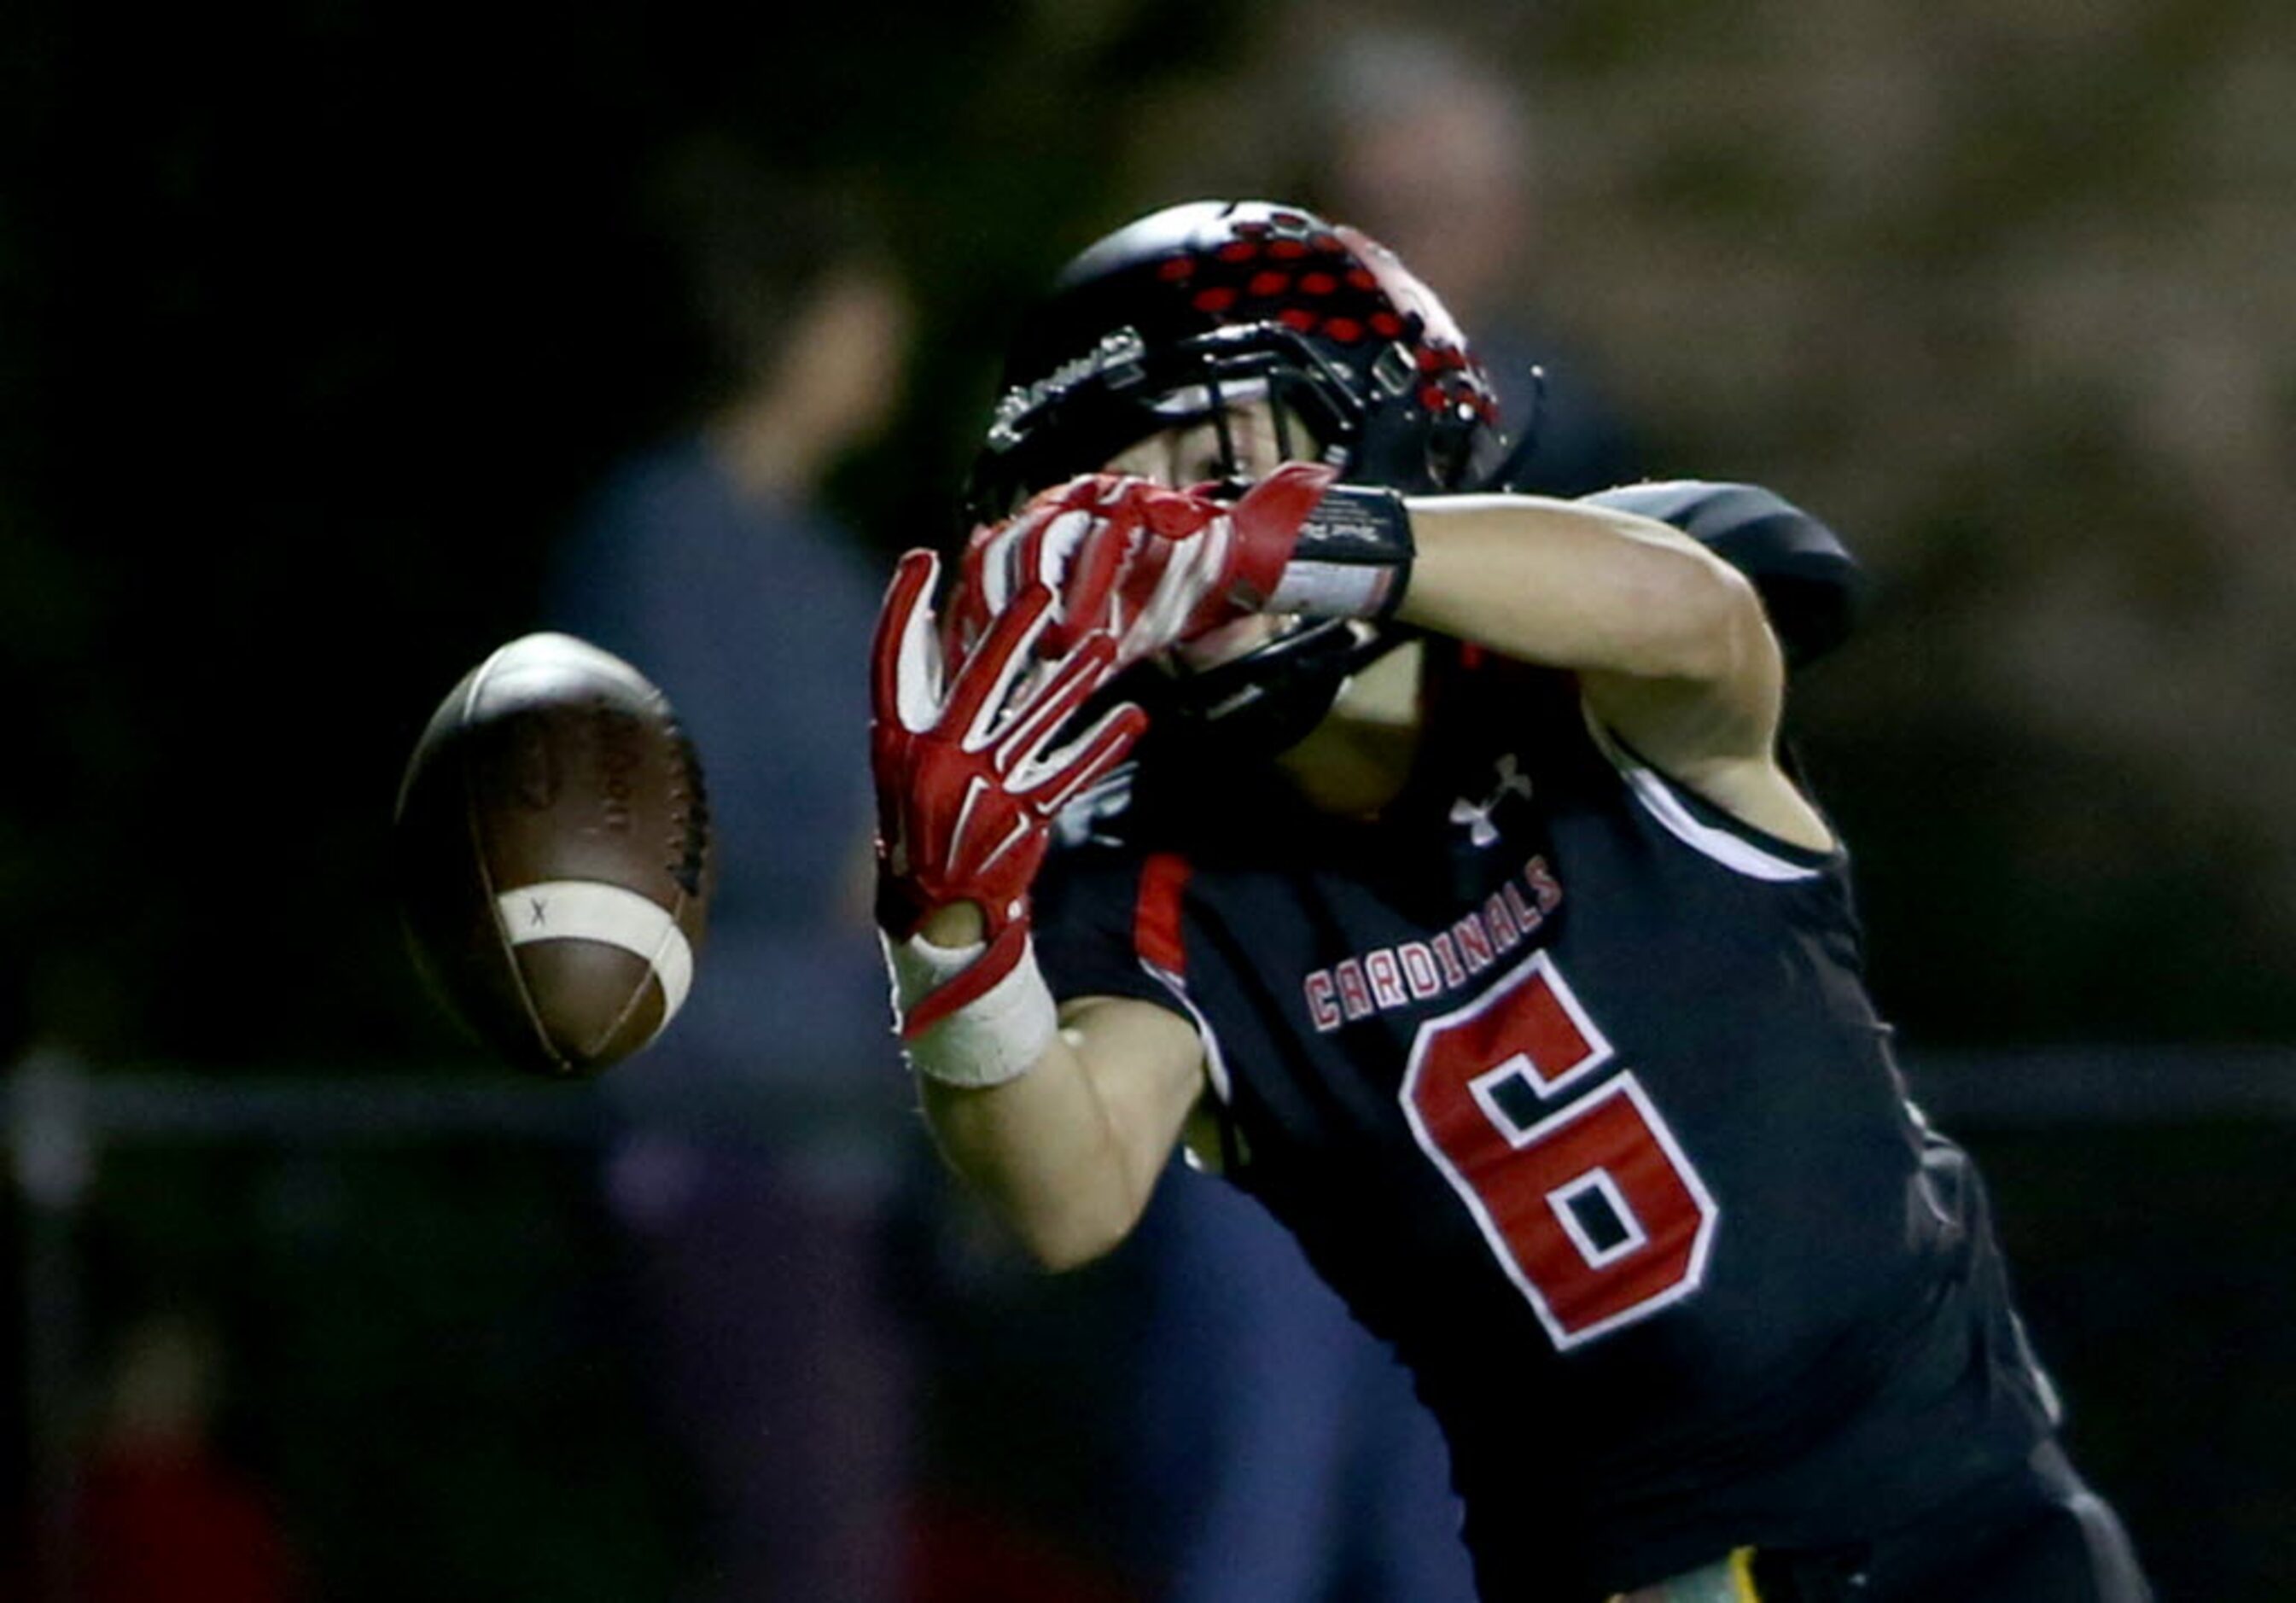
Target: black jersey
pixel 1570 1086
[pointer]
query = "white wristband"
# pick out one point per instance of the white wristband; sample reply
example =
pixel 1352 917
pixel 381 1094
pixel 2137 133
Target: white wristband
pixel 994 1038
pixel 1352 557
pixel 1334 589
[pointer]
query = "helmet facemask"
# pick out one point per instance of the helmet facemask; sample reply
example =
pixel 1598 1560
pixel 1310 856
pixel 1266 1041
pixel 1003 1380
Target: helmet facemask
pixel 1081 424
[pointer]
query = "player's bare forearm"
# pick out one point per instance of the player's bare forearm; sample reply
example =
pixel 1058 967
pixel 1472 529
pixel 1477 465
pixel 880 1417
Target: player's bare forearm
pixel 1068 1153
pixel 1670 643
pixel 1580 586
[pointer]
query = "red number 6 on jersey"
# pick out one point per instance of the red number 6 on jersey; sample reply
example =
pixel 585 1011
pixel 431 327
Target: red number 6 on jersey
pixel 1587 1202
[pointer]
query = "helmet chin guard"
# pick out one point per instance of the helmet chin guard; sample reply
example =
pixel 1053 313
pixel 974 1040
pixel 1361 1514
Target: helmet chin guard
pixel 1259 703
pixel 1195 309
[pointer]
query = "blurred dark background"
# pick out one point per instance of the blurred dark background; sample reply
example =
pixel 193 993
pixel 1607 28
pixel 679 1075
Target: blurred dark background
pixel 321 319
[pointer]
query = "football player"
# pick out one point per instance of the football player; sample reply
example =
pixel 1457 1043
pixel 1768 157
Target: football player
pixel 1420 855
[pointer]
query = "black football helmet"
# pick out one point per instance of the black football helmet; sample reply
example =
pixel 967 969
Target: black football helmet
pixel 1185 312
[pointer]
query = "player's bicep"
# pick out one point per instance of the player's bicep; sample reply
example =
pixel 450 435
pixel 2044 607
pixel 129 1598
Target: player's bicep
pixel 1155 1050
pixel 1717 739
pixel 1726 712
pixel 1155 1061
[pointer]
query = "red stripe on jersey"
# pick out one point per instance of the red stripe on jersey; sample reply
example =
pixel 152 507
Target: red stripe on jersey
pixel 1156 915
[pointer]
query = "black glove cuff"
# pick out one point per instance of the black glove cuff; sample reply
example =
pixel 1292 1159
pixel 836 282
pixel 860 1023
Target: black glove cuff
pixel 1352 559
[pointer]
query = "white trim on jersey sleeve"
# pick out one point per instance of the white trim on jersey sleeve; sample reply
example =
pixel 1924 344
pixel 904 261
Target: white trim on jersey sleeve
pixel 1215 1064
pixel 1651 788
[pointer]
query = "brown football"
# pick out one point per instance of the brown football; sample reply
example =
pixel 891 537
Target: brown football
pixel 552 856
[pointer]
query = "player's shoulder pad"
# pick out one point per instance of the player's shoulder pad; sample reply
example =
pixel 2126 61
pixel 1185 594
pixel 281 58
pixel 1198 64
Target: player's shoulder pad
pixel 1813 588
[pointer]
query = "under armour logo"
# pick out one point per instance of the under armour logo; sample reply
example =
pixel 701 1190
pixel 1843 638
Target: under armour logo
pixel 1477 816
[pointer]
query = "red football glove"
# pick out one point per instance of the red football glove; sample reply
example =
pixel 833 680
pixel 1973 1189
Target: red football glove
pixel 1071 538
pixel 968 780
pixel 1151 566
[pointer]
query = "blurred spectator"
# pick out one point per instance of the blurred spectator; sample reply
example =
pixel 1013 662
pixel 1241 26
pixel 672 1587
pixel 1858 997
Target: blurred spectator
pixel 164 1517
pixel 1284 1456
pixel 763 1139
pixel 1435 156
